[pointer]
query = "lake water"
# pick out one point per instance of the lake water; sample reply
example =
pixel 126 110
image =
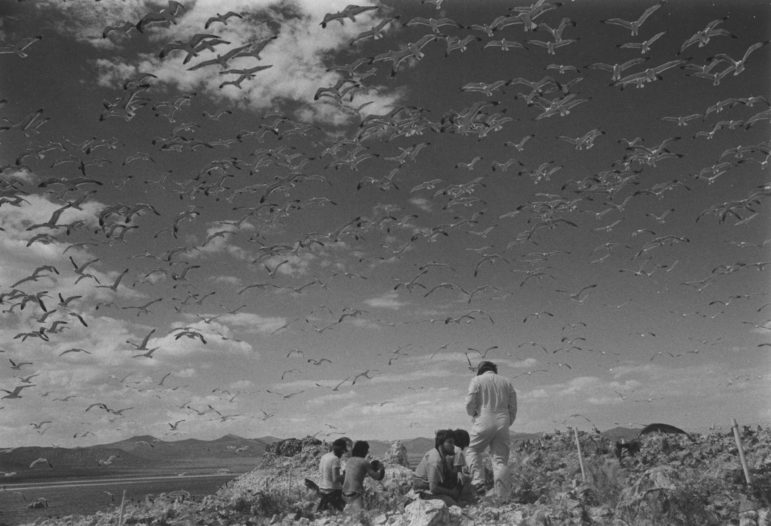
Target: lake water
pixel 87 496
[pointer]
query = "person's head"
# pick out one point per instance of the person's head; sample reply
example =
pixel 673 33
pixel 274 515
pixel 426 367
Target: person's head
pixel 485 366
pixel 445 441
pixel 462 438
pixel 339 447
pixel 360 449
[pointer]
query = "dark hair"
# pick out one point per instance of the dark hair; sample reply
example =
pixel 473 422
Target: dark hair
pixel 485 366
pixel 360 449
pixel 462 438
pixel 340 445
pixel 441 436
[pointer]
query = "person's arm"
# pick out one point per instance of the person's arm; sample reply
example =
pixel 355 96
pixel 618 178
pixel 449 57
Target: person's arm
pixel 338 475
pixel 472 399
pixel 512 406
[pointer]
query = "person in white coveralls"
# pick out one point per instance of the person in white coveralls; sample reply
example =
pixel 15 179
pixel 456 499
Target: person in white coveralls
pixel 492 403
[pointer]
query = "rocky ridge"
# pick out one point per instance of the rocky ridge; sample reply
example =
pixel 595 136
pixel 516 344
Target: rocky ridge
pixel 671 480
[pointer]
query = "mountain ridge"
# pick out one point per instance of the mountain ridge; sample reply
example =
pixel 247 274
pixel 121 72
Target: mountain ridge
pixel 146 451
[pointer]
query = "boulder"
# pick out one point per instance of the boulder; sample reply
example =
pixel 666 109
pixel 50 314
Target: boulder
pixel 426 513
pixel 292 446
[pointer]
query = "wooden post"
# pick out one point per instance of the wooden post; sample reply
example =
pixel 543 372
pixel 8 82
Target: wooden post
pixel 122 503
pixel 580 456
pixel 741 452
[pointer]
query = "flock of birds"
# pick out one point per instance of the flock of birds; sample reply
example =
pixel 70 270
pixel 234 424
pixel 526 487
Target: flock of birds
pixel 252 183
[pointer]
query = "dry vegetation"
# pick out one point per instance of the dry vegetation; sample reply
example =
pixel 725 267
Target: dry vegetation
pixel 670 481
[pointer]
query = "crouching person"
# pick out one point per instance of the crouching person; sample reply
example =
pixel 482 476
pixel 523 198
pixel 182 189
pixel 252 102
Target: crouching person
pixel 356 470
pixel 435 477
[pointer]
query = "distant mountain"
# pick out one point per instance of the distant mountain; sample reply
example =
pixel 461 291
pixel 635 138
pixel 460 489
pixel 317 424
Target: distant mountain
pixel 132 454
pixel 146 451
pixel 85 459
pixel 149 447
pixel 269 439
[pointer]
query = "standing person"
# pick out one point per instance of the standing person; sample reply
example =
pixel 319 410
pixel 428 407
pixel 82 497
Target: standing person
pixel 492 403
pixel 331 484
pixel 434 474
pixel 356 469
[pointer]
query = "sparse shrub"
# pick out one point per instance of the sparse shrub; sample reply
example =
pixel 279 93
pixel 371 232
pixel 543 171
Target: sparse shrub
pixel 606 479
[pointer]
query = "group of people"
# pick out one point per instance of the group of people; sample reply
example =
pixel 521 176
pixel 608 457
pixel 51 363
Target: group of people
pixel 340 488
pixel 452 470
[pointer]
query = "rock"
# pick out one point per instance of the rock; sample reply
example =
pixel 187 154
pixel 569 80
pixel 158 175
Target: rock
pixel 291 446
pixel 396 454
pixel 397 478
pixel 426 513
pixel 38 504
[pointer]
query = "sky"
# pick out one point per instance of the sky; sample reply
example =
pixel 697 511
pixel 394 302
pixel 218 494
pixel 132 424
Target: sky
pixel 295 218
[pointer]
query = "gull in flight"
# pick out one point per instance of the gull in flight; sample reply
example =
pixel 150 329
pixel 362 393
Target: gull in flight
pixel 41 460
pixel 633 25
pixel 645 45
pixel 350 11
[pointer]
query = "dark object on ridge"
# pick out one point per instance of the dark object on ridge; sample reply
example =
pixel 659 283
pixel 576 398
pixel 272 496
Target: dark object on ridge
pixel 633 447
pixel 664 428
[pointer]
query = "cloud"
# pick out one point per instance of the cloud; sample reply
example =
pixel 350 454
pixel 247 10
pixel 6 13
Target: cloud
pixel 288 36
pixel 389 300
pixel 253 323
pixel 422 203
pixel 289 264
pixel 331 398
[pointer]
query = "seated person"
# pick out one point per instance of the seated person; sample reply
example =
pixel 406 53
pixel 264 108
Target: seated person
pixel 434 477
pixel 356 469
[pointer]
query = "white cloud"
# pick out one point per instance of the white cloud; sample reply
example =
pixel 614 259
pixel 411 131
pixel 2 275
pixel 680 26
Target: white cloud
pixel 297 55
pixel 253 323
pixel 389 300
pixel 422 203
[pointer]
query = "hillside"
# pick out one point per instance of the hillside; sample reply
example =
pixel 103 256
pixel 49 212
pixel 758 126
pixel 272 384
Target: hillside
pixel 671 480
pixel 146 451
pixel 138 454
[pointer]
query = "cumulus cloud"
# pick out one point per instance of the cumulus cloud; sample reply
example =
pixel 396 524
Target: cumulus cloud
pixel 288 36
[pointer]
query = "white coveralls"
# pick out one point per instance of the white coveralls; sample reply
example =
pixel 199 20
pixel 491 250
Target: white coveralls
pixel 492 403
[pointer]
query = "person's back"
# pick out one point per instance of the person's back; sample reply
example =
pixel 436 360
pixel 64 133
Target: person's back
pixel 492 403
pixel 329 469
pixel 331 478
pixel 357 468
pixel 492 397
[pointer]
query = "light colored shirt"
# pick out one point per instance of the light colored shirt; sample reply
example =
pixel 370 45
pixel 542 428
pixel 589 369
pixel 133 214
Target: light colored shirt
pixel 432 471
pixel 491 395
pixel 329 472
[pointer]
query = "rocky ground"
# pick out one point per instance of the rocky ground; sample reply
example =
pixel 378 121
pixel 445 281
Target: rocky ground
pixel 671 480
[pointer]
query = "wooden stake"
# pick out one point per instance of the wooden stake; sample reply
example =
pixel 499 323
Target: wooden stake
pixel 580 456
pixel 122 503
pixel 741 452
